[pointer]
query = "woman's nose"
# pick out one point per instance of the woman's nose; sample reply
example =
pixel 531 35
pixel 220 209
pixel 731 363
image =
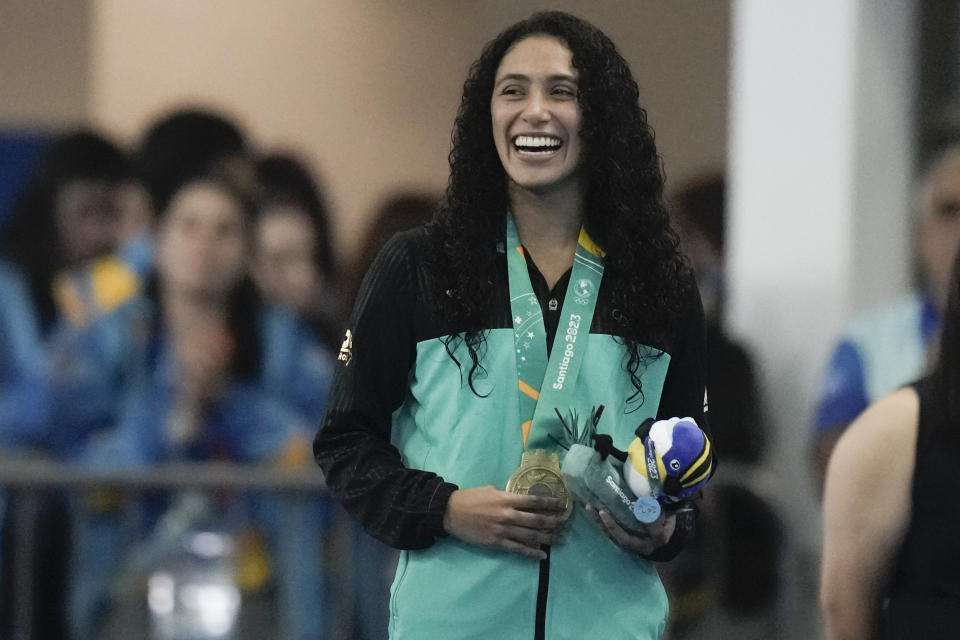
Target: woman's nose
pixel 536 109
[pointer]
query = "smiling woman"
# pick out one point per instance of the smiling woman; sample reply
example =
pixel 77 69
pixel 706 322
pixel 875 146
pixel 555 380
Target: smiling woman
pixel 554 179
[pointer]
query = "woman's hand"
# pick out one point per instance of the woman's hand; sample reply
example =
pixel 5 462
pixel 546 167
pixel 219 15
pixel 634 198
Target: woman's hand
pixel 658 533
pixel 204 353
pixel 489 517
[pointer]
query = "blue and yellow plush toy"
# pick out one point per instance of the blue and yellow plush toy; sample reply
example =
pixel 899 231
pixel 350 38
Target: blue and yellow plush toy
pixel 668 462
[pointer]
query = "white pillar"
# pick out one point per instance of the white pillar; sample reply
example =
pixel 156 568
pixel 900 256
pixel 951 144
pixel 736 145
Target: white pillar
pixel 821 131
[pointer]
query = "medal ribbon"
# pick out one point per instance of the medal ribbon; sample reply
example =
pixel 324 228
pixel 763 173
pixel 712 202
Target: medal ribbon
pixel 653 470
pixel 545 385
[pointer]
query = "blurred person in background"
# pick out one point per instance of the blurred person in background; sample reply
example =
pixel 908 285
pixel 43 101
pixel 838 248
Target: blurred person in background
pixel 293 261
pixel 65 218
pixel 189 141
pixel 700 216
pixel 197 374
pixel 185 142
pixel 888 346
pixel 135 227
pixel 726 581
pixel 891 560
pixel 400 211
pixel 80 241
pixel 56 273
pixel 374 563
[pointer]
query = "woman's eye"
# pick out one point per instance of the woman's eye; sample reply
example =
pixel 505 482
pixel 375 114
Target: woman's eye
pixel 565 92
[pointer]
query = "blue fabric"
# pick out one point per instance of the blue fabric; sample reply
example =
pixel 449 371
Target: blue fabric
pixel 929 319
pixel 59 388
pixel 296 368
pixel 138 255
pixel 255 422
pixel 19 151
pixel 843 396
pixel 24 392
pixel 247 426
pixel 882 349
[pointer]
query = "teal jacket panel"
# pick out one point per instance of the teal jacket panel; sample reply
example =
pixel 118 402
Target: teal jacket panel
pixel 475 440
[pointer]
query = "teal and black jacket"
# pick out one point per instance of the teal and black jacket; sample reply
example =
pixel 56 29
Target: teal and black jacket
pixel 404 429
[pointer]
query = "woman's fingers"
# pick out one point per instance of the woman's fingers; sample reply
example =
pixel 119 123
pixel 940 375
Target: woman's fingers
pixel 490 517
pixel 542 504
pixel 543 521
pixel 659 533
pixel 528 541
pixel 531 552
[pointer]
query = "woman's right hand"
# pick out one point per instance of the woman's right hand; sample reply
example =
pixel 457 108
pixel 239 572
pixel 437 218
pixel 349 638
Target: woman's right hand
pixel 489 517
pixel 204 353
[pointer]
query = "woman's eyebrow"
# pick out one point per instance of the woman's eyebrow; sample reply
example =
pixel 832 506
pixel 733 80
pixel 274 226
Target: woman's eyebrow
pixel 556 77
pixel 513 76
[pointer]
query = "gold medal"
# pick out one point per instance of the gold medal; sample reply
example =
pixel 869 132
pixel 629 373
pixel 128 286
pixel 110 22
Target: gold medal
pixel 539 475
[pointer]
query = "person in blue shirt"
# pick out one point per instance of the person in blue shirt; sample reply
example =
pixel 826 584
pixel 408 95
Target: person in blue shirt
pixel 199 372
pixel 293 261
pixel 61 223
pixel 886 347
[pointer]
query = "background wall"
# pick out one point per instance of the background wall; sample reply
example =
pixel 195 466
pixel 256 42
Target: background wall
pixel 44 62
pixel 366 90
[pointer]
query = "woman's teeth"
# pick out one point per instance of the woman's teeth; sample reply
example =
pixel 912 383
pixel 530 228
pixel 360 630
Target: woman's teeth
pixel 537 144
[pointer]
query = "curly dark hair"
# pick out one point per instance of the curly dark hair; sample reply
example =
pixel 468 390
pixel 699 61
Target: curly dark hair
pixel 623 204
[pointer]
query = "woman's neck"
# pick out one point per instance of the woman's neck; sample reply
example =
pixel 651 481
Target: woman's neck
pixel 185 309
pixel 548 225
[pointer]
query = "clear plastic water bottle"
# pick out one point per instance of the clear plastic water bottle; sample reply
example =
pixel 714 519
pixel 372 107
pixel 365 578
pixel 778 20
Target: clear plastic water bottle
pixel 194 596
pixel 192 590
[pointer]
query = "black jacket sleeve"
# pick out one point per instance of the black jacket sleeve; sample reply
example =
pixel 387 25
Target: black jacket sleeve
pixel 684 395
pixel 402 507
pixel 684 389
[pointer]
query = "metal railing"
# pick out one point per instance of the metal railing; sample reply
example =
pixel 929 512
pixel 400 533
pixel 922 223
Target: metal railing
pixel 28 478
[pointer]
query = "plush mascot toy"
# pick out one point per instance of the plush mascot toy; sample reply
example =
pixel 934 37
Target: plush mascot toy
pixel 669 461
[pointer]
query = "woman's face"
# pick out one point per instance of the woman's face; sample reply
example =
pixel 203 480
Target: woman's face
pixel 85 217
pixel 535 114
pixel 201 242
pixel 283 262
pixel 939 233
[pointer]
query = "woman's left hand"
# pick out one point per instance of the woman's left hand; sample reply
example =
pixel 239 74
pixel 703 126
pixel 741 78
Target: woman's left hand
pixel 658 533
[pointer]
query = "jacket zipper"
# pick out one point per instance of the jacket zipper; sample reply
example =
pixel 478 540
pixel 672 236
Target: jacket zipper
pixel 540 623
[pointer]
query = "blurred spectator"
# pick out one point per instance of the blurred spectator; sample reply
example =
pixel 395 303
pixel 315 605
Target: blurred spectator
pixel 374 562
pixel 54 271
pixel 890 554
pixel 199 371
pixel 734 401
pixel 177 146
pixel 886 347
pixel 19 152
pixel 293 261
pixel 135 227
pixel 65 218
pixel 191 141
pixel 729 575
pixel 399 212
